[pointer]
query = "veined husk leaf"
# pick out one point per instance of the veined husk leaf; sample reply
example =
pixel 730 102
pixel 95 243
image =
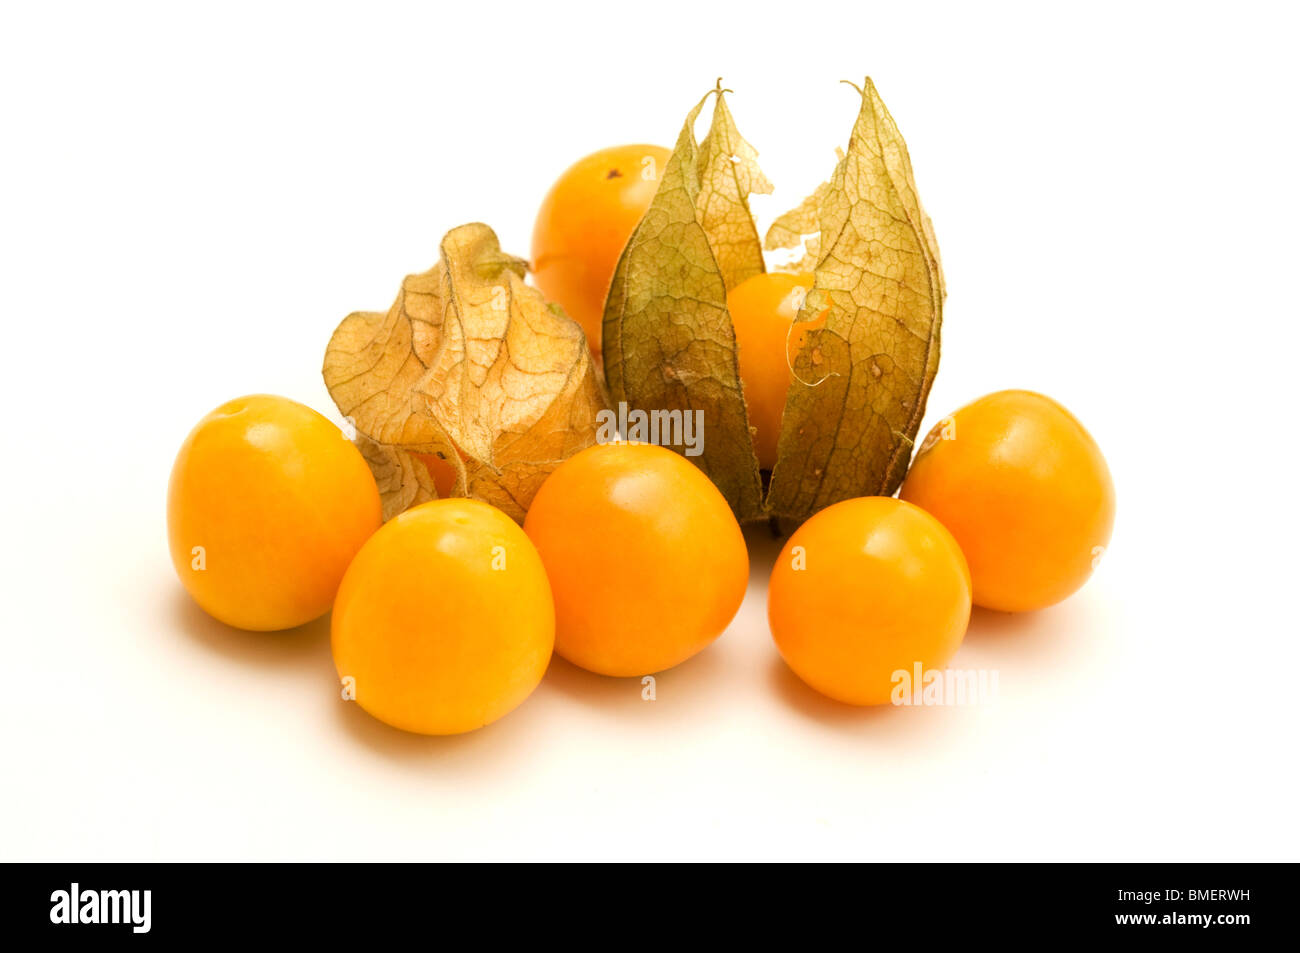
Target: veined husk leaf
pixel 861 381
pixel 668 340
pixel 403 479
pixel 473 364
pixel 729 174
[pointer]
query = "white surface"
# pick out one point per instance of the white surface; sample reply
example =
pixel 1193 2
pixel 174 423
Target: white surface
pixel 192 200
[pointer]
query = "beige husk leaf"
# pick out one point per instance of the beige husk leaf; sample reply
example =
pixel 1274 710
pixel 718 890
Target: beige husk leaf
pixel 403 479
pixel 668 340
pixel 729 174
pixel 473 364
pixel 861 382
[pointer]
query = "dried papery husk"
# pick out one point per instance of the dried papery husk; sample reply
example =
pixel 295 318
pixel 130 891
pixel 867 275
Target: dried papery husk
pixel 471 364
pixel 861 379
pixel 668 340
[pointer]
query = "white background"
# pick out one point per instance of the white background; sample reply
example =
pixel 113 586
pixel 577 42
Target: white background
pixel 193 198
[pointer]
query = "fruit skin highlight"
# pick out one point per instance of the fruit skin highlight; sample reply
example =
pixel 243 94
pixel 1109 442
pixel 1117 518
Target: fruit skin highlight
pixel 268 503
pixel 866 588
pixel 444 621
pixel 763 308
pixel 645 558
pixel 583 224
pixel 1025 490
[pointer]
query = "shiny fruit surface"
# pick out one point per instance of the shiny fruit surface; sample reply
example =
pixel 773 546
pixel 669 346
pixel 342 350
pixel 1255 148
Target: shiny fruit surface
pixel 763 310
pixel 1025 490
pixel 863 590
pixel 267 505
pixel 646 560
pixel 583 224
pixel 444 621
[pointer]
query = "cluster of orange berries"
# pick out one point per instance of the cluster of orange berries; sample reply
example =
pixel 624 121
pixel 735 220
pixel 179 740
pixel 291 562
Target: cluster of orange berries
pixel 629 561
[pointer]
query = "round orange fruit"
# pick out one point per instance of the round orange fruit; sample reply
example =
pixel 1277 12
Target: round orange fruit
pixel 1025 490
pixel 763 311
pixel 444 621
pixel 584 222
pixel 647 562
pixel 267 505
pixel 864 590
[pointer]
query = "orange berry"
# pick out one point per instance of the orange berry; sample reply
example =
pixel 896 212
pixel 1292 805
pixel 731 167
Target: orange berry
pixel 444 621
pixel 584 222
pixel 267 505
pixel 865 589
pixel 763 310
pixel 1024 489
pixel 443 473
pixel 645 558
